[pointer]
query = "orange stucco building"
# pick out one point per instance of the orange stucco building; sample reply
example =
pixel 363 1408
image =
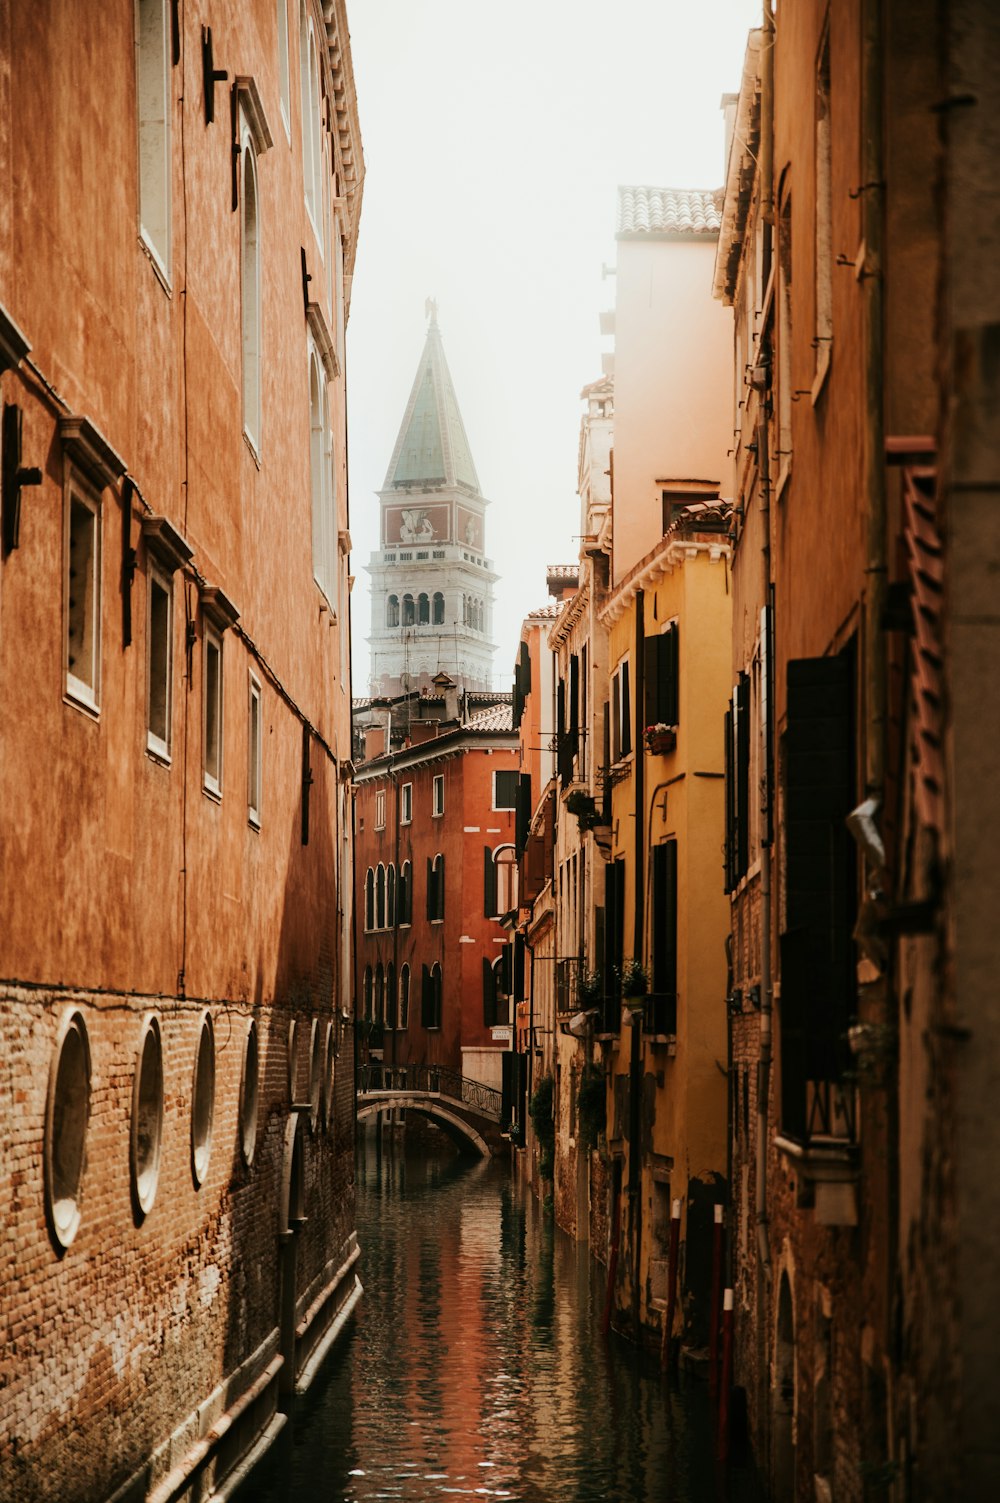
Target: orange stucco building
pixel 174 648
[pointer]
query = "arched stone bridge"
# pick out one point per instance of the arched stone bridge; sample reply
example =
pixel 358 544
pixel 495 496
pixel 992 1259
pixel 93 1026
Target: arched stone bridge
pixel 467 1110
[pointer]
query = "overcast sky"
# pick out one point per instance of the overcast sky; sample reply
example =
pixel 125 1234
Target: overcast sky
pixel 495 137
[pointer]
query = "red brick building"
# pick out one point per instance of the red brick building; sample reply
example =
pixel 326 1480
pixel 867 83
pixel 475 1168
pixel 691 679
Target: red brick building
pixel 435 872
pixel 177 1080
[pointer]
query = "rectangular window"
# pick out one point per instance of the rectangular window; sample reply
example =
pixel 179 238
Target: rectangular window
pixel 254 755
pixel 380 809
pixel 83 598
pixel 152 54
pixel 504 790
pixel 621 712
pixel 212 669
pixel 159 662
pixel 662 657
pixel 437 796
pixel 662 1017
pixel 406 804
pixel 784 338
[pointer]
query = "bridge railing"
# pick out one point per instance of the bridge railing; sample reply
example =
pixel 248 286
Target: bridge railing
pixel 431 1080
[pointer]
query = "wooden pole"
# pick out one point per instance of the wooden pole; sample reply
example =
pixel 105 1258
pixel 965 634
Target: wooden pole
pixel 718 1236
pixel 726 1376
pixel 668 1319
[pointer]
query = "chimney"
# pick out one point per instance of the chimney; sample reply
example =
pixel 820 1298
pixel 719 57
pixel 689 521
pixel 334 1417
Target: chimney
pixel 423 730
pixel 374 741
pixel 448 690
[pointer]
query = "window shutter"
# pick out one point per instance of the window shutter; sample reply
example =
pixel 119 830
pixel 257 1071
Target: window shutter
pixel 817 992
pixel 653 646
pixel 616 748
pixel 430 889
pixel 489 995
pixel 606 753
pixel 665 935
pixel 439 888
pixel 517 698
pixel 517 980
pixel 626 710
pixel 574 695
pixel 426 1002
pixel 489 883
pixel 742 750
pixel 522 812
pixel 730 849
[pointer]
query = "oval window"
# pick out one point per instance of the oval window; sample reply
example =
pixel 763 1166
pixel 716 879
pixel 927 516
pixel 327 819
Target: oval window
pixel 203 1101
pixel 328 1076
pixel 66 1118
pixel 316 1054
pixel 248 1094
pixel 147 1116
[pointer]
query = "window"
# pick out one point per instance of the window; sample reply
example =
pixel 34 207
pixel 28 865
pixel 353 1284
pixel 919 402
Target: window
pixel 203 1101
pixel 405 896
pixel 159 663
pixel 404 996
pixel 496 992
pixel 392 611
pixel 738 783
pixel 367 994
pixel 254 755
pixel 212 708
pixel 662 659
pixel 824 215
pixel 322 474
pixel 250 309
pixel 147 1117
pixel 67 1113
pixel 407 610
pixel 437 795
pixel 438 615
pixel 499 880
pixel 317 1050
pixel 504 789
pixel 370 899
pixel 406 804
pixel 621 712
pixel 380 809
pixel 284 87
pixel 249 1093
pixel 380 897
pixel 83 598
pixel 379 1013
pixel 292 1050
pixel 423 610
pixel 435 888
pixel 312 151
pixel 390 896
pixel 328 1077
pixel 430 1001
pixel 662 1017
pixel 154 129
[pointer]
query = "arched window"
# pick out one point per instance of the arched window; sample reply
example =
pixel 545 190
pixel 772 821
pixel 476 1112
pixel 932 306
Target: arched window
pixel 438 609
pixel 500 881
pixel 392 611
pixel 390 896
pixel 430 1001
pixel 405 896
pixel 390 995
pixel 423 610
pixel 404 996
pixel 407 610
pixel 250 249
pixel 324 525
pixel 370 899
pixel 435 887
pixel 67 1114
pixel 367 994
pixel 379 993
pixel 380 897
pixel 312 133
pixel 496 1001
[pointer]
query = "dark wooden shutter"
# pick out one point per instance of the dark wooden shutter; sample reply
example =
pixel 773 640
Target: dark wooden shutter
pixel 426 999
pixel 817 992
pixel 489 883
pixel 665 936
pixel 742 750
pixel 626 721
pixel 573 727
pixel 430 889
pixel 606 753
pixel 517 978
pixel 522 812
pixel 730 847
pixel 489 995
pixel 439 888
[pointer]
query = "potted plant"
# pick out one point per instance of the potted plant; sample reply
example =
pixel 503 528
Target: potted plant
pixel 660 738
pixel 584 807
pixel 589 989
pixel 635 984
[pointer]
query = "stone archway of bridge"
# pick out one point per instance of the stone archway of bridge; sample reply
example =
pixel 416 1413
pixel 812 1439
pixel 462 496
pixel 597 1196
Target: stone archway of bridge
pixel 450 1121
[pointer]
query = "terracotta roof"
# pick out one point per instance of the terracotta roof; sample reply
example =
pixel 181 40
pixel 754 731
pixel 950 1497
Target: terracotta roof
pixel 669 211
pixel 604 386
pixel 499 718
pixel 546 612
pixel 568 572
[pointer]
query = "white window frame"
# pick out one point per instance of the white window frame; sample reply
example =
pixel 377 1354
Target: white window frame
pixel 212 642
pixel 284 75
pixel 250 300
pixel 437 796
pixel 255 751
pixel 156 745
pixel 152 69
pixel 85 692
pixel 312 133
pixel 406 804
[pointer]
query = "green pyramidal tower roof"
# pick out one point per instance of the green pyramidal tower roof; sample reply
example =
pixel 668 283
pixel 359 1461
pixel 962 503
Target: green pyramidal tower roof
pixel 432 448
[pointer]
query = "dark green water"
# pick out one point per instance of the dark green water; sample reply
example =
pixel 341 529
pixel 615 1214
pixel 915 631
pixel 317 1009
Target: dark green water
pixel 476 1367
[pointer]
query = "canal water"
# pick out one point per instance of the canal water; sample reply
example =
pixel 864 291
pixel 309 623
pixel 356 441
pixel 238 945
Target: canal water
pixel 476 1366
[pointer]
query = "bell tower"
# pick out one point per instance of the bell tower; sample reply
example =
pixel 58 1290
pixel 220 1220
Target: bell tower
pixel 432 584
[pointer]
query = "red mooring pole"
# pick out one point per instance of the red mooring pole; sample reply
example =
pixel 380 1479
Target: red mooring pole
pixel 616 1227
pixel 718 1237
pixel 668 1319
pixel 726 1376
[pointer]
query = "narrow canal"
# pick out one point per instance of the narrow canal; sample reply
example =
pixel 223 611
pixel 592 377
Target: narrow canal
pixel 476 1366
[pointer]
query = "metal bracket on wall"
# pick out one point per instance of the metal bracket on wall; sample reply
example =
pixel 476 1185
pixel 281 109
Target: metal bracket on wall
pixel 211 75
pixel 15 475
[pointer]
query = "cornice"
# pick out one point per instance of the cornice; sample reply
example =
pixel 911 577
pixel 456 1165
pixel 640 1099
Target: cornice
pixel 668 555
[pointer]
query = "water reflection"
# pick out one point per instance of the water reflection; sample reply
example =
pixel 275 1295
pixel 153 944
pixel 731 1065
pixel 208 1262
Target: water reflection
pixel 477 1367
